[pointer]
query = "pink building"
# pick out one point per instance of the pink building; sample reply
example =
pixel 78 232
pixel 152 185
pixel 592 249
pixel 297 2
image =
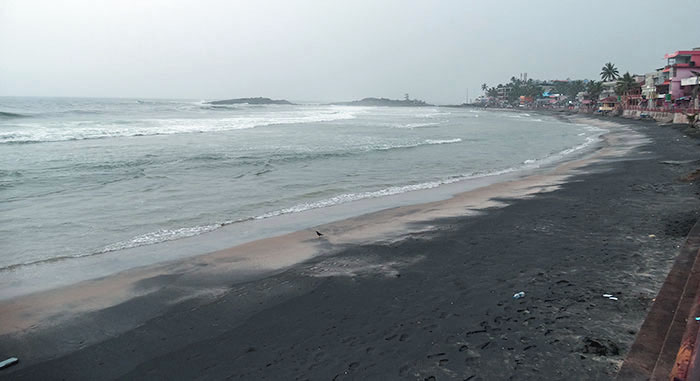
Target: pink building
pixel 680 65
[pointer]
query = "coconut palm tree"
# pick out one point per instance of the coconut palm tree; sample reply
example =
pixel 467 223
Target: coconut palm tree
pixel 484 87
pixel 609 72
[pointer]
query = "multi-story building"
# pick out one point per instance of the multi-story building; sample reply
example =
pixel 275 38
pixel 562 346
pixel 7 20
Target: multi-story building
pixel 649 86
pixel 504 92
pixel 680 65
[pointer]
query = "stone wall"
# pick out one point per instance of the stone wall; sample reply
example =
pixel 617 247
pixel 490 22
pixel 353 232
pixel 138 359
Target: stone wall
pixel 661 117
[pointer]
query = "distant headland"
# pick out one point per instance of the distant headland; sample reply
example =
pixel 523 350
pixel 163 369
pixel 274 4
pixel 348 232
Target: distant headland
pixel 252 101
pixel 406 102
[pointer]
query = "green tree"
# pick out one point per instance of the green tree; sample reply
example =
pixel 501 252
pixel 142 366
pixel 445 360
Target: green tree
pixel 624 84
pixel 574 88
pixel 594 89
pixel 561 87
pixel 609 72
pixel 484 87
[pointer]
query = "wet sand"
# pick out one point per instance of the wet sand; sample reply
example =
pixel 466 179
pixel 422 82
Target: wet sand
pixel 409 293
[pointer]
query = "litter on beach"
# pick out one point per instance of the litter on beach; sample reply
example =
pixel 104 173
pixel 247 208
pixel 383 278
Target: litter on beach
pixel 652 235
pixel 612 298
pixel 607 295
pixel 519 295
pixel 9 362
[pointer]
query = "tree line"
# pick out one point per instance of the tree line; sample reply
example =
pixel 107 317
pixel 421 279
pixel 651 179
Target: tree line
pixel 532 89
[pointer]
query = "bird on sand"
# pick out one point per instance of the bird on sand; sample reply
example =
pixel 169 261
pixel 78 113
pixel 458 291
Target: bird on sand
pixel 318 233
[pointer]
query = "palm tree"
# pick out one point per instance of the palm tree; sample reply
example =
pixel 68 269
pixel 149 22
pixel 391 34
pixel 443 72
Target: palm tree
pixel 609 72
pixel 484 87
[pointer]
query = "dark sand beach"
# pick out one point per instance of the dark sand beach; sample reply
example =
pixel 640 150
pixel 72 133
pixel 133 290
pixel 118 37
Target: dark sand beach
pixel 436 303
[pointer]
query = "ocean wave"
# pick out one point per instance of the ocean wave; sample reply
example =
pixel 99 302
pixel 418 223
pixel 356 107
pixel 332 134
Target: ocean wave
pixel 390 191
pixel 554 156
pixel 417 125
pixel 12 115
pixel 161 236
pixel 432 114
pixel 446 141
pixel 165 235
pixel 589 141
pixel 84 130
pixel 296 156
pixel 151 238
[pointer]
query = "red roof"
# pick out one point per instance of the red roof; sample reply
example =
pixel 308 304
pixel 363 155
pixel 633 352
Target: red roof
pixel 609 100
pixel 683 52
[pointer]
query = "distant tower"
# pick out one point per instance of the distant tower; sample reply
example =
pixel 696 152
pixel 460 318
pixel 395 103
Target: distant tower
pixel 405 97
pixel 525 77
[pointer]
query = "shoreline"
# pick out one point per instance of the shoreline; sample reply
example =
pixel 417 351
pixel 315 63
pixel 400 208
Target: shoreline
pixel 205 282
pixel 254 259
pixel 94 266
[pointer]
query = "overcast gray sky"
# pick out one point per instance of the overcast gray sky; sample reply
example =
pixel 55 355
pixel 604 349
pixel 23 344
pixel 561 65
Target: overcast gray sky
pixel 325 50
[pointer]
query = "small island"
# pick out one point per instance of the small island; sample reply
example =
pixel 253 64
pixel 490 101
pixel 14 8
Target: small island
pixel 252 101
pixel 406 102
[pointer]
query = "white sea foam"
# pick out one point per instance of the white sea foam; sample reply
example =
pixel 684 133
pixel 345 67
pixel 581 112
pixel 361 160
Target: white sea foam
pixel 37 131
pixel 417 125
pixel 360 141
pixel 350 197
pixel 388 146
pixel 165 235
pixel 445 141
pixel 435 113
pixel 161 236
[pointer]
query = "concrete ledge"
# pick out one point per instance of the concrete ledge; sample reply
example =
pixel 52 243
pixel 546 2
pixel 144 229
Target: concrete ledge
pixel 659 341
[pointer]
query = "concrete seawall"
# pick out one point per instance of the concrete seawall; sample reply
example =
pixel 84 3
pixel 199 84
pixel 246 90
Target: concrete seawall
pixel 659 116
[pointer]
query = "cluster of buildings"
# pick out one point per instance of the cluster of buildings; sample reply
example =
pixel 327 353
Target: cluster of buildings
pixel 673 87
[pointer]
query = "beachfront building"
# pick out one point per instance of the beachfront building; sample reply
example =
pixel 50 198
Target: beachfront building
pixel 503 92
pixel 691 89
pixel 608 90
pixel 663 83
pixel 633 96
pixel 649 86
pixel 608 104
pixel 680 65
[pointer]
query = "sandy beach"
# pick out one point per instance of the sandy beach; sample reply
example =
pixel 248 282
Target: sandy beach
pixel 419 292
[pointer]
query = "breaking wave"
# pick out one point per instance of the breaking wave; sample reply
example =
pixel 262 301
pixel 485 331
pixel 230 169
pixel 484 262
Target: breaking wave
pixel 83 130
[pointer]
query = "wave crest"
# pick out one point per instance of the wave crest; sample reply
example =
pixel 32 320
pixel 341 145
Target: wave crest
pixel 84 130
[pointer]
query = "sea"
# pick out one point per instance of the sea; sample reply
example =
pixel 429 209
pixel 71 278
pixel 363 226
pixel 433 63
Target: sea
pixel 97 178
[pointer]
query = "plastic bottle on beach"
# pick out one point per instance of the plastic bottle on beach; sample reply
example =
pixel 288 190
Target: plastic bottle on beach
pixel 519 295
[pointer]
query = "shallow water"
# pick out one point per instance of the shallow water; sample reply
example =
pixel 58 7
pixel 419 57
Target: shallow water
pixel 86 177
